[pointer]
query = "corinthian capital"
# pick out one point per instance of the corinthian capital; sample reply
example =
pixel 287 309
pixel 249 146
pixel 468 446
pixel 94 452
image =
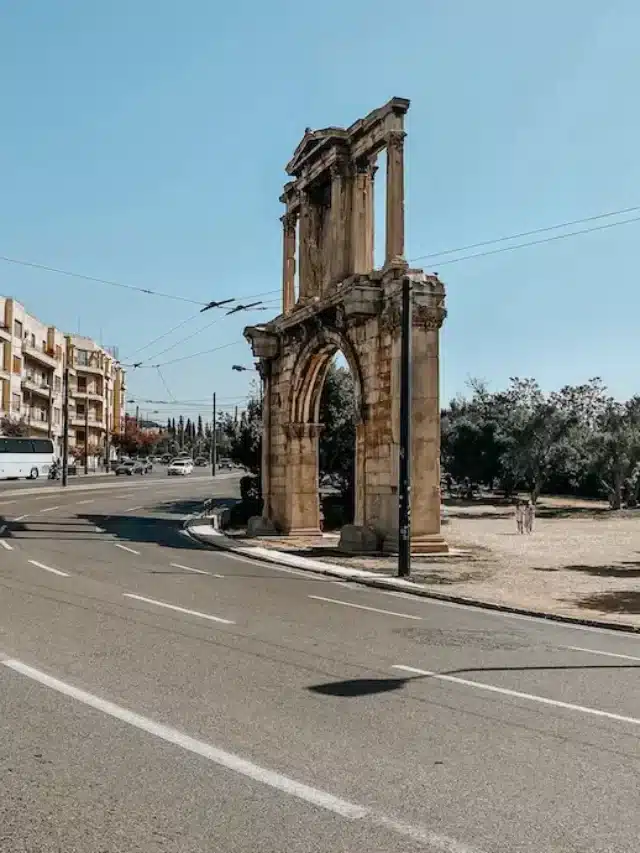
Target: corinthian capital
pixel 395 140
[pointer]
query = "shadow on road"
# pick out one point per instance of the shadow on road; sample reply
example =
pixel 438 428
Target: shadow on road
pixel 143 529
pixel 355 687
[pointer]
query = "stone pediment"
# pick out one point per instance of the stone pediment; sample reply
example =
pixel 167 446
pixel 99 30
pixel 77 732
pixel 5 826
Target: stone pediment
pixel 311 143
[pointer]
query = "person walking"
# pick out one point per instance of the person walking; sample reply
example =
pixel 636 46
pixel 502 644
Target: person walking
pixel 519 516
pixel 529 517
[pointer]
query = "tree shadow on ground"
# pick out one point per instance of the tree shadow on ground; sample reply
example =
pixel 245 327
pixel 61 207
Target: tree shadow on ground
pixel 613 570
pixel 613 601
pixel 189 506
pixel 144 529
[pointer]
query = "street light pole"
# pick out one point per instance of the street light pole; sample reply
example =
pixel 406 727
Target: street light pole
pixel 214 439
pixel 65 415
pixel 404 484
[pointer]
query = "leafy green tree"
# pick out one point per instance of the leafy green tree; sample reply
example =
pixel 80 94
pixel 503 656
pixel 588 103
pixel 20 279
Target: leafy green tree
pixel 337 439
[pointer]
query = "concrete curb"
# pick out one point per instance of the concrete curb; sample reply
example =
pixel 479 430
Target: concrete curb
pixel 217 540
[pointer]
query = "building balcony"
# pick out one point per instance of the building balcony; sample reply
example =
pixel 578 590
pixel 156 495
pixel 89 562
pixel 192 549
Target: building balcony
pixel 93 369
pixel 86 395
pixel 35 387
pixel 5 333
pixel 38 423
pixel 39 355
pixel 79 422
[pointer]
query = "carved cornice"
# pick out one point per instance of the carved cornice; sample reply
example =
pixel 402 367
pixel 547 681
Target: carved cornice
pixel 289 221
pixel 429 316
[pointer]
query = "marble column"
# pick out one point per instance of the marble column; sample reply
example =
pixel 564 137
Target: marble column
pixel 362 218
pixel 394 250
pixel 288 262
pixel 338 236
pixel 425 436
pixel 305 269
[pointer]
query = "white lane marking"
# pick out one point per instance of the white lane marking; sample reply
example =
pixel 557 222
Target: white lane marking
pixel 364 607
pixel 134 508
pixel 6 503
pixel 50 508
pixel 6 545
pixel 228 555
pixel 48 568
pixel 236 764
pixel 21 517
pixel 3 528
pixel 197 571
pixel 124 548
pixel 516 694
pixel 598 652
pixel 179 609
pixel 100 530
pixel 81 503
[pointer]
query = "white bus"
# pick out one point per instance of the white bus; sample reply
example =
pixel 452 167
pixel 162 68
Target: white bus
pixel 25 457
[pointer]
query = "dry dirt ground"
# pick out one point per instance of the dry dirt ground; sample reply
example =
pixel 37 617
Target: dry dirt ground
pixel 581 559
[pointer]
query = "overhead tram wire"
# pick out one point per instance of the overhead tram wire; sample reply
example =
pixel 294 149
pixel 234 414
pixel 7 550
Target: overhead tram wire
pixel 545 229
pixel 551 239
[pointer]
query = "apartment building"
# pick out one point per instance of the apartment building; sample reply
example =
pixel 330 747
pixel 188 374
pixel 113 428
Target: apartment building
pixel 31 371
pixel 96 394
pixel 31 381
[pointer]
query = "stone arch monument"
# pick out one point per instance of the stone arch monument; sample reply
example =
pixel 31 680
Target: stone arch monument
pixel 344 304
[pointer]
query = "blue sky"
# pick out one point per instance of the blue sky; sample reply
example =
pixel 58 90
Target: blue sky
pixel 145 142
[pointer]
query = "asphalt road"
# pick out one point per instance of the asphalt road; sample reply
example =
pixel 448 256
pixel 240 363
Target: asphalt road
pixel 156 696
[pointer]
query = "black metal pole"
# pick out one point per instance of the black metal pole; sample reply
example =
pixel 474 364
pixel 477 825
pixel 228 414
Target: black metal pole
pixel 404 479
pixel 214 439
pixel 65 417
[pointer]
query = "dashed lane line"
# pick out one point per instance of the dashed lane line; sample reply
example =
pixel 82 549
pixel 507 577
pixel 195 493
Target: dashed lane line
pixel 364 607
pixel 195 571
pixel 168 606
pixel 124 548
pixel 48 569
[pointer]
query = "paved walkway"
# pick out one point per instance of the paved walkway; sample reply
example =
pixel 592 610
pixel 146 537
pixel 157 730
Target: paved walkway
pixel 581 562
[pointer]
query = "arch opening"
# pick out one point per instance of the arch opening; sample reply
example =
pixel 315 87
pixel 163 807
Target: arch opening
pixel 325 409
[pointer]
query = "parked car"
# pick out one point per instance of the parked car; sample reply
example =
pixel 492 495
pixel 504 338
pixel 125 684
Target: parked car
pixel 201 461
pixel 180 467
pixel 130 467
pixel 225 464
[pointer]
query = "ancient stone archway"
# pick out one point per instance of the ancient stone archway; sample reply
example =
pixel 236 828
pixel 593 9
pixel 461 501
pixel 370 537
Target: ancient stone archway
pixel 345 304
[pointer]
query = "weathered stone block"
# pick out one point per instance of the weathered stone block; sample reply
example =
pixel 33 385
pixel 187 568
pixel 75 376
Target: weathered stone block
pixel 259 526
pixel 358 540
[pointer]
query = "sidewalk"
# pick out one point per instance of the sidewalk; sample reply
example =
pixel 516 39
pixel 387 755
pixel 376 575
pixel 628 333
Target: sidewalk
pixel 470 577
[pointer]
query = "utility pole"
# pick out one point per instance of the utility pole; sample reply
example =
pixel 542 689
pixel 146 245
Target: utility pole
pixel 404 479
pixel 214 439
pixel 107 434
pixel 50 426
pixel 137 415
pixel 235 417
pixel 65 416
pixel 86 435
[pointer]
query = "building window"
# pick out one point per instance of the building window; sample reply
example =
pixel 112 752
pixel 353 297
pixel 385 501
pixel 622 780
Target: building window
pixel 15 402
pixel 82 357
pixel 17 365
pixel 79 436
pixel 82 384
pixel 17 329
pixel 33 340
pixel 57 415
pixel 80 410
